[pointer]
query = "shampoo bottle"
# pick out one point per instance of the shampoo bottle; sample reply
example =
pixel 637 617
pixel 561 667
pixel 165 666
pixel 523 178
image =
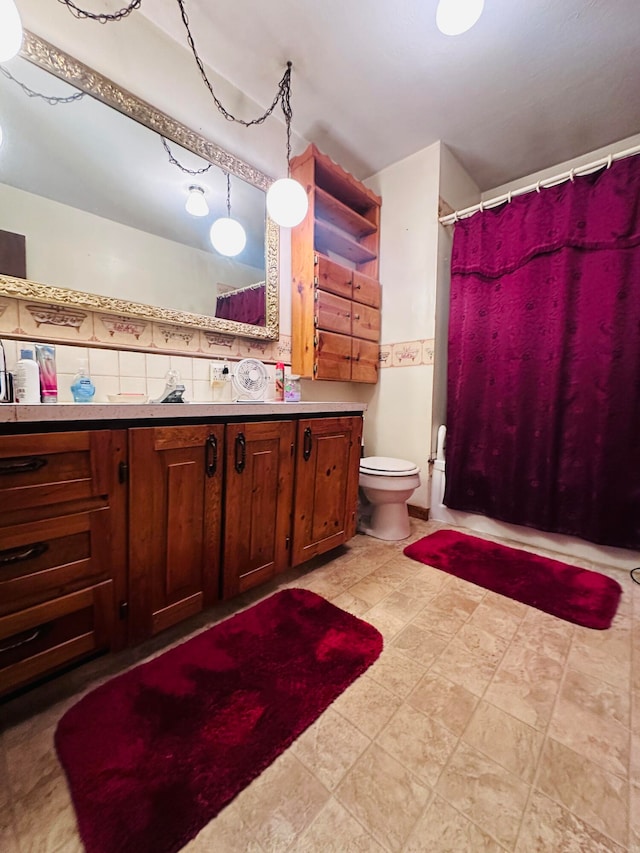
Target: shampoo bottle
pixel 27 378
pixel 82 387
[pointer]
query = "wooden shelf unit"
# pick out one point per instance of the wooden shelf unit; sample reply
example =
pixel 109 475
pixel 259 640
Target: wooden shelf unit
pixel 335 251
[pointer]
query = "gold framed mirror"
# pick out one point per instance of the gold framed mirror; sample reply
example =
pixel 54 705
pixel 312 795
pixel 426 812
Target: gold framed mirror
pixel 249 185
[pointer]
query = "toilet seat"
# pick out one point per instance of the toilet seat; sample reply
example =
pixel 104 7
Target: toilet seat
pixel 387 466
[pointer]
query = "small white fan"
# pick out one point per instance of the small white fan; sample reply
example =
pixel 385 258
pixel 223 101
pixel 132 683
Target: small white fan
pixel 250 380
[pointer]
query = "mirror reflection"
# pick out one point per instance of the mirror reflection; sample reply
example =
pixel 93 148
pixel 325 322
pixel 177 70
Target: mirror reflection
pixel 102 200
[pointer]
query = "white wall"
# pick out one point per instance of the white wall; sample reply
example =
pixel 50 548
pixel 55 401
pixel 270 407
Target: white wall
pixel 398 422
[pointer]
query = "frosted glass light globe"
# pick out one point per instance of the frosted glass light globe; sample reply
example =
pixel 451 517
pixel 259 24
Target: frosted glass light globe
pixel 287 202
pixel 196 203
pixel 454 17
pixel 10 30
pixel 227 237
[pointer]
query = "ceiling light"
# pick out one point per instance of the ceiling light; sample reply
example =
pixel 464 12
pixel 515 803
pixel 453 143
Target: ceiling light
pixel 10 30
pixel 196 202
pixel 287 201
pixel 227 236
pixel 454 17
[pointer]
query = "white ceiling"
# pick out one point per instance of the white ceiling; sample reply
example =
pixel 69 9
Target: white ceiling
pixel 534 83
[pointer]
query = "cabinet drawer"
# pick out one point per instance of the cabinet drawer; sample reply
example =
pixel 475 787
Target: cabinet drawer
pixel 43 638
pixel 333 313
pixel 333 356
pixel 44 559
pixel 333 277
pixel 46 470
pixel 365 322
pixel 366 289
pixel 365 361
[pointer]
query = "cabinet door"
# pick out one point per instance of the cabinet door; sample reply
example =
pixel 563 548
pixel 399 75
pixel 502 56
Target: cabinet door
pixel 333 313
pixel 333 356
pixel 258 491
pixel 365 359
pixel 366 289
pixel 326 488
pixel 175 519
pixel 366 322
pixel 333 277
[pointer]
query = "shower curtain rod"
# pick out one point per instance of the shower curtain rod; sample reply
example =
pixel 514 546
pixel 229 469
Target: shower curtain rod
pixel 547 182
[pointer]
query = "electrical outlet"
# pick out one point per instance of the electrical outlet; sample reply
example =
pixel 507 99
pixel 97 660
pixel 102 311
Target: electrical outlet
pixel 216 376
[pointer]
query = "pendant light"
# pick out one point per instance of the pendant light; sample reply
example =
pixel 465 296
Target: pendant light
pixel 10 30
pixel 227 235
pixel 287 201
pixel 455 17
pixel 196 203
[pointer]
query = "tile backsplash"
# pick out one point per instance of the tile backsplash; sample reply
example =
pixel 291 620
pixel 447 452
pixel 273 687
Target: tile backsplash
pixel 127 372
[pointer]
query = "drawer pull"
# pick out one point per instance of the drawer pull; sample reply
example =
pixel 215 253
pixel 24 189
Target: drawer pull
pixel 307 444
pixel 356 316
pixel 211 455
pixel 241 453
pixel 23 642
pixel 18 555
pixel 358 286
pixel 22 465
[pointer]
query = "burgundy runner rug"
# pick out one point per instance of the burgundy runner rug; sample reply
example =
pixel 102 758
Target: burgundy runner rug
pixel 577 595
pixel 154 754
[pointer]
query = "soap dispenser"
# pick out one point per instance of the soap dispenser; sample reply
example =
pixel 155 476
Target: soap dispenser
pixel 82 387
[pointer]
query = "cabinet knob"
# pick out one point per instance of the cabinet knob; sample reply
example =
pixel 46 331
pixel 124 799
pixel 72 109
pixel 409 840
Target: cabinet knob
pixel 357 286
pixel 348 357
pixel 348 315
pixel 356 316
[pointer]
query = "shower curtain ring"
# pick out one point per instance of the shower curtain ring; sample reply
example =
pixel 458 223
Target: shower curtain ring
pixel 609 161
pixel 571 176
pixel 481 207
pixel 509 197
pixel 537 186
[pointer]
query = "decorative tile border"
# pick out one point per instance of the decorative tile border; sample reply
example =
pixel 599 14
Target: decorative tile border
pixel 407 353
pixel 30 321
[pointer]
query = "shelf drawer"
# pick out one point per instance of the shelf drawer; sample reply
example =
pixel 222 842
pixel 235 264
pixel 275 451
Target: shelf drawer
pixel 333 356
pixel 333 313
pixel 41 639
pixel 44 559
pixel 333 277
pixel 366 289
pixel 365 322
pixel 47 470
pixel 365 361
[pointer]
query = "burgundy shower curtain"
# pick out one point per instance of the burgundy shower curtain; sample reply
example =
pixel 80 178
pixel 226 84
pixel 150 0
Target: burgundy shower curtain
pixel 246 305
pixel 543 412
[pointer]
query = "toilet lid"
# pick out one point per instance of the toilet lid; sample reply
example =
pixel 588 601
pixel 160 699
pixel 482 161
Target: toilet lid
pixel 386 466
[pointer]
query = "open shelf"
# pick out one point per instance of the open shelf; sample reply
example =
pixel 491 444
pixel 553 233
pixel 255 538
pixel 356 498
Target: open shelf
pixel 338 214
pixel 328 238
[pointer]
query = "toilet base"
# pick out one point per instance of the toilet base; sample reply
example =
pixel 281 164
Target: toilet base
pixel 389 522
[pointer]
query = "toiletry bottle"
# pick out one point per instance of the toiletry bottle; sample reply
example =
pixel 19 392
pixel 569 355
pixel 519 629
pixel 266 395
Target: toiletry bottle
pixel 27 378
pixel 46 361
pixel 280 381
pixel 82 387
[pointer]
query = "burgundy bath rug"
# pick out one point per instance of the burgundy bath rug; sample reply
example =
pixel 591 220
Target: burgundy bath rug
pixel 578 595
pixel 154 754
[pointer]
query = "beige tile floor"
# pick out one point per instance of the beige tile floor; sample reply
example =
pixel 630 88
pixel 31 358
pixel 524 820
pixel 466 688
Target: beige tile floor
pixel 484 726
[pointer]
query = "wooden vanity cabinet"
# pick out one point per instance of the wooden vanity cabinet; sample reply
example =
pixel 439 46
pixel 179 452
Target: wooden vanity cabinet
pixel 175 518
pixel 335 292
pixel 259 469
pixel 326 485
pixel 62 550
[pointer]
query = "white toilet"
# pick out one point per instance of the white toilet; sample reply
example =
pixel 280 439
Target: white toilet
pixel 387 485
